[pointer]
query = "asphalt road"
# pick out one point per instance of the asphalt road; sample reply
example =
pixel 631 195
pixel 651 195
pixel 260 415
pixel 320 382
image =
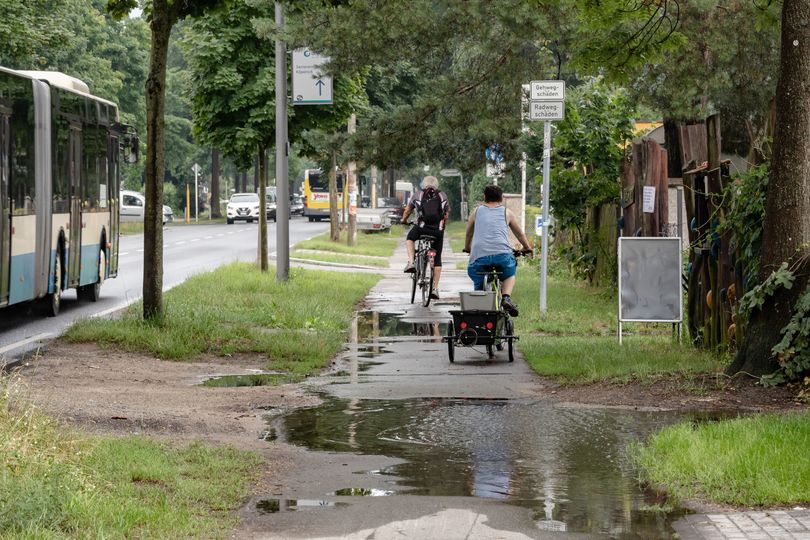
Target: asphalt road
pixel 187 250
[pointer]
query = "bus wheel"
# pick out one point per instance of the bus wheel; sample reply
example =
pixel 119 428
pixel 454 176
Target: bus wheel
pixel 92 292
pixel 55 298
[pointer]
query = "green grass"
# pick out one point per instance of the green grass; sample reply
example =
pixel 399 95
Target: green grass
pixel 131 227
pixel 342 258
pixel 59 484
pixel 589 359
pixel 299 325
pixel 455 232
pixel 751 461
pixel 576 343
pixel 381 244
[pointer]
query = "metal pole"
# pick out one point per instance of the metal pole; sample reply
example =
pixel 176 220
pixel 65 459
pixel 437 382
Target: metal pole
pixel 544 247
pixel 282 182
pixel 196 192
pixel 463 200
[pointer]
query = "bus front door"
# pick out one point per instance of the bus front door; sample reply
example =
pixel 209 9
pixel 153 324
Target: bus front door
pixel 5 205
pixel 75 250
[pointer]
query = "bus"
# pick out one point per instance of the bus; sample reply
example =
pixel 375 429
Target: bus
pixel 59 187
pixel 316 194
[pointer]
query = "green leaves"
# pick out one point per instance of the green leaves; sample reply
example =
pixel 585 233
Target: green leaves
pixel 756 297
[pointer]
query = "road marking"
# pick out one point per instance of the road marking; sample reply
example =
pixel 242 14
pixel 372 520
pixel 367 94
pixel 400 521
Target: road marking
pixel 124 253
pixel 139 250
pixel 209 238
pixel 195 240
pixel 180 243
pixel 23 342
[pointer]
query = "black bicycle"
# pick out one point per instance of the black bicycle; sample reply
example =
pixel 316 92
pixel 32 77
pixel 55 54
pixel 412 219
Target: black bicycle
pixel 488 324
pixel 425 266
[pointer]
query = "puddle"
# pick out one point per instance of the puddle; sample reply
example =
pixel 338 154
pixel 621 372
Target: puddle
pixel 569 465
pixel 372 325
pixel 262 379
pixel 272 506
pixel 362 492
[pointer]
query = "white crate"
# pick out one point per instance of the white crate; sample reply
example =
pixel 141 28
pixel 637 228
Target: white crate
pixel 477 300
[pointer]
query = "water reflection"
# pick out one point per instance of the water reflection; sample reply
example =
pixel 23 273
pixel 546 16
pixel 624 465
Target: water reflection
pixel 370 325
pixel 569 465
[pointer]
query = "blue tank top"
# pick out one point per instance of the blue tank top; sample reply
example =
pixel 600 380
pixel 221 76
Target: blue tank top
pixel 491 236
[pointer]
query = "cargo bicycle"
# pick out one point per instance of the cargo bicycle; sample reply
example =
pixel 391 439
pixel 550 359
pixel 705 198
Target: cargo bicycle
pixel 482 321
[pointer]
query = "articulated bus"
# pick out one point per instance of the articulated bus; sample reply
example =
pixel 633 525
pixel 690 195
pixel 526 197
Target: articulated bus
pixel 316 194
pixel 59 186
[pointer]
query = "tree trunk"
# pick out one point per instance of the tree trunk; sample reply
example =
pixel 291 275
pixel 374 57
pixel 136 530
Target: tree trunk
pixel 262 170
pixel 161 26
pixel 351 179
pixel 786 229
pixel 334 226
pixel 256 174
pixel 216 211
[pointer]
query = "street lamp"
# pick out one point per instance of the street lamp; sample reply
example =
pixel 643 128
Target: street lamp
pixel 456 172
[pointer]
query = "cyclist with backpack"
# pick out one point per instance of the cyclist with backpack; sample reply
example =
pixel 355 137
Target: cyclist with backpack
pixel 432 209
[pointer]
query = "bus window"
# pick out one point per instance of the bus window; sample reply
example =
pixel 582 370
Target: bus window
pixel 22 156
pixel 317 181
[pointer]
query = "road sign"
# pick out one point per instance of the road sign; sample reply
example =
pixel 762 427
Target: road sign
pixel 547 91
pixel 449 172
pixel 310 86
pixel 546 110
pixel 494 153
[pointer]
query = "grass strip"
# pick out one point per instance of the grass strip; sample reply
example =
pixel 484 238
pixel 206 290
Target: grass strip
pixel 58 484
pixel 299 324
pixel 751 461
pixel 575 343
pixel 590 359
pixel 381 243
pixel 454 232
pixel 343 259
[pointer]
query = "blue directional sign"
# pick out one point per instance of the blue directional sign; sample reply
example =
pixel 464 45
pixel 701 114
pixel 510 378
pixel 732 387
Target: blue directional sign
pixel 493 153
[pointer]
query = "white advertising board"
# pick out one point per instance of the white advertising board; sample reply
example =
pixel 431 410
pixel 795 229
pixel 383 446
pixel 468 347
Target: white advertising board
pixel 310 86
pixel 650 280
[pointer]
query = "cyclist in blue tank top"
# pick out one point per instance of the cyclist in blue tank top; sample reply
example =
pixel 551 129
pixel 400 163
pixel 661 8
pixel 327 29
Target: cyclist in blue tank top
pixel 487 242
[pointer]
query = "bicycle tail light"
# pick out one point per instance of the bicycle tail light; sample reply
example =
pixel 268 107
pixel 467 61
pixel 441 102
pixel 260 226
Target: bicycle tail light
pixel 462 325
pixel 490 325
pixel 431 253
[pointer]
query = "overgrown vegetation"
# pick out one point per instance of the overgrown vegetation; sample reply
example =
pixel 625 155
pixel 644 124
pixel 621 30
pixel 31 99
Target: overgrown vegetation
pixel 588 150
pixel 237 309
pixel 59 484
pixel 341 258
pixel 752 461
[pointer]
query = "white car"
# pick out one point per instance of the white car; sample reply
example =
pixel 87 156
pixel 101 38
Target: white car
pixel 132 207
pixel 243 206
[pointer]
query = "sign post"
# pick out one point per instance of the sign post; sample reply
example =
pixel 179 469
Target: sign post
pixel 282 147
pixel 547 103
pixel 196 169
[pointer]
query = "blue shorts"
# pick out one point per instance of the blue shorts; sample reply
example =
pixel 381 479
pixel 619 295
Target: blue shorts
pixel 505 264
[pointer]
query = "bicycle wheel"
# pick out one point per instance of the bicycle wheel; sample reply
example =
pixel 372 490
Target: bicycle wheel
pixel 428 284
pixel 423 280
pixel 414 279
pixel 510 331
pixel 451 345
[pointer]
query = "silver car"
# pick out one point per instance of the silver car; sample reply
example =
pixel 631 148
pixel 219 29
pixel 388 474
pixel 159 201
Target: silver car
pixel 132 205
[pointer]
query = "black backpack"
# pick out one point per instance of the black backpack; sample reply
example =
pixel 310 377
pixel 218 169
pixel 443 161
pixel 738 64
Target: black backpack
pixel 432 211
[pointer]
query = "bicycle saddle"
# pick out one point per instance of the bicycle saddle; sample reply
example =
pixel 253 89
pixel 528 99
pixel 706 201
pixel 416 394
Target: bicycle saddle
pixel 487 270
pixel 427 237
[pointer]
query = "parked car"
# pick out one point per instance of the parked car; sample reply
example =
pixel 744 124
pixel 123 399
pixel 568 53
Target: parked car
pixel 132 205
pixel 296 205
pixel 394 206
pixel 272 205
pixel 242 207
